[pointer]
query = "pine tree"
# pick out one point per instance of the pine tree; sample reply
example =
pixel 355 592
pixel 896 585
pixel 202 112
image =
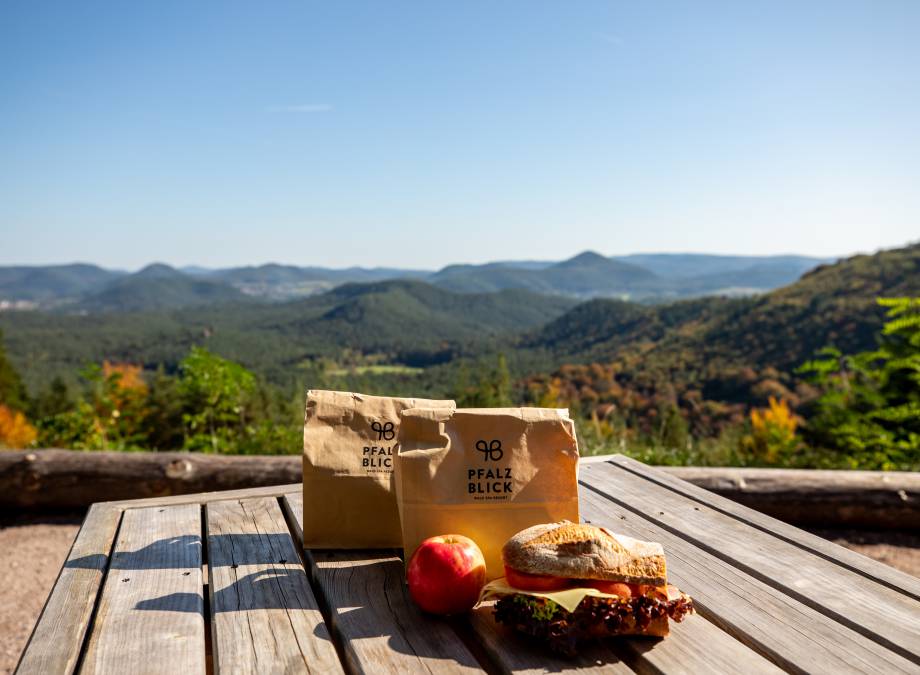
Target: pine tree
pixel 12 390
pixel 870 402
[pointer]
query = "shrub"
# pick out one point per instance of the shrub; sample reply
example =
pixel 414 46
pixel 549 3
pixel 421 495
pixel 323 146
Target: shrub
pixel 772 439
pixel 869 406
pixel 15 430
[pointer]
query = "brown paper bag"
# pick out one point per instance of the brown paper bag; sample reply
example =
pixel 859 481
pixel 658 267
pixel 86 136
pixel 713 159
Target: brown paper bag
pixel 348 448
pixel 484 473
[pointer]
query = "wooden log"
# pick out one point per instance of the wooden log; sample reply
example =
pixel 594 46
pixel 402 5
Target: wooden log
pixel 76 479
pixel 875 499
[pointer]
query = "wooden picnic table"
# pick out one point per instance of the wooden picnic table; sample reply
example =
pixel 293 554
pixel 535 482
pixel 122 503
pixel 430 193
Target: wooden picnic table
pixel 219 583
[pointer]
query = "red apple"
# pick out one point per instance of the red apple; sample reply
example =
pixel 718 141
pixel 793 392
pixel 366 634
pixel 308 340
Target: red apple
pixel 446 574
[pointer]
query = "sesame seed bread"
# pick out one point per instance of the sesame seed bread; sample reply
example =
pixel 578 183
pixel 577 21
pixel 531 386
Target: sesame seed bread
pixel 582 551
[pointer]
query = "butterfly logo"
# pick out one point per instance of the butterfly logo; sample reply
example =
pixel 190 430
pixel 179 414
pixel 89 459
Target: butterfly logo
pixel 491 451
pixel 385 432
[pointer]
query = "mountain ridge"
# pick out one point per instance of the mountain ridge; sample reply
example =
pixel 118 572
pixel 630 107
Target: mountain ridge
pixel 589 274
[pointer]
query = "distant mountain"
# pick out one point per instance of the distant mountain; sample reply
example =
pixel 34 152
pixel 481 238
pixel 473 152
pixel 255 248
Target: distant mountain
pixel 157 287
pixel 699 265
pixel 642 277
pixel 52 282
pixel 590 274
pixel 645 277
pixel 285 282
pixel 157 271
pixel 585 275
pixel 748 280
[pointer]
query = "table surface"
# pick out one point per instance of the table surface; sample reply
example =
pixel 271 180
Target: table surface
pixel 218 582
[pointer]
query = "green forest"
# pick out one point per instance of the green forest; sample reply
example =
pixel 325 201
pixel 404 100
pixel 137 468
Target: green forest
pixel 824 372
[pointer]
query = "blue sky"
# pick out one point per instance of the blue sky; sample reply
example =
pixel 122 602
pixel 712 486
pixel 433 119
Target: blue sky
pixel 418 134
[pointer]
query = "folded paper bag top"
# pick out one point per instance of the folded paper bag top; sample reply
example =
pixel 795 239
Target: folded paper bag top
pixel 484 473
pixel 349 441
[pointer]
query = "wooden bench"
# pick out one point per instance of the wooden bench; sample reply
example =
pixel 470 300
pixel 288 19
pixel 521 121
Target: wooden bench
pixel 219 583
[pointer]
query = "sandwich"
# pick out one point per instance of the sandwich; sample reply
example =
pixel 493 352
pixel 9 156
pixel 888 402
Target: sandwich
pixel 567 582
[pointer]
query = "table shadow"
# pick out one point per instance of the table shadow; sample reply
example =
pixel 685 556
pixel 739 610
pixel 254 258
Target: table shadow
pixel 277 588
pixel 177 552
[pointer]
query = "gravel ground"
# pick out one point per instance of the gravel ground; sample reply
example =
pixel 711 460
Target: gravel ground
pixel 898 549
pixel 32 550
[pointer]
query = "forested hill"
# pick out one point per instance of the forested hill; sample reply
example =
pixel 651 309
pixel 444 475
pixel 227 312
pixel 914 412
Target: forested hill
pixel 723 349
pixel 833 304
pixel 587 274
pixel 52 282
pixel 712 358
pixel 406 322
pixel 158 287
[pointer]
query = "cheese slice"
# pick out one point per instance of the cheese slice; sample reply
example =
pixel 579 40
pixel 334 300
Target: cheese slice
pixel 567 598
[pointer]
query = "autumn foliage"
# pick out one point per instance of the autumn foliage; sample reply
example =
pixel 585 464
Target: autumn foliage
pixel 15 430
pixel 772 436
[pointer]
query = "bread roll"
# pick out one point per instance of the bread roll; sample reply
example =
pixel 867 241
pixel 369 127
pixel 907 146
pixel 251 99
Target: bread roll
pixel 582 551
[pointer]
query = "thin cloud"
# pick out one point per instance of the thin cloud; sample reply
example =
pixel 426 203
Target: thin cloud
pixel 301 108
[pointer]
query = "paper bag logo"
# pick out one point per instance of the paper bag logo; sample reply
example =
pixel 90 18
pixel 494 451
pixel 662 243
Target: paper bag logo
pixel 490 483
pixel 379 458
pixel 492 451
pixel 384 431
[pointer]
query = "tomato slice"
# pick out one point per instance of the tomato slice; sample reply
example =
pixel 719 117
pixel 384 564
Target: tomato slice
pixel 535 582
pixel 660 592
pixel 614 587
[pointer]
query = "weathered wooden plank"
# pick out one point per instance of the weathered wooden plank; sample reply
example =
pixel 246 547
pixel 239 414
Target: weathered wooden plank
pixel 208 497
pixel 694 646
pixel 371 615
pixel 58 636
pixel 150 617
pixel 852 560
pixel 887 616
pixel 264 615
pixel 793 635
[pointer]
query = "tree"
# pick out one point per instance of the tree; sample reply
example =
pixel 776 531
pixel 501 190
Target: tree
pixel 110 415
pixel 215 395
pixel 869 407
pixel 163 425
pixel 15 430
pixel 491 390
pixel 772 439
pixel 52 401
pixel 12 390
